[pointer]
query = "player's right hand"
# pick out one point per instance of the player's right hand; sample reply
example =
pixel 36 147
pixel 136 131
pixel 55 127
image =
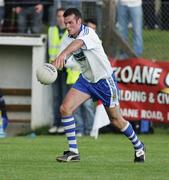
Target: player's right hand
pixel 59 61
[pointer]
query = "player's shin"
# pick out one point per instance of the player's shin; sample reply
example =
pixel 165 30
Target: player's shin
pixel 129 132
pixel 69 127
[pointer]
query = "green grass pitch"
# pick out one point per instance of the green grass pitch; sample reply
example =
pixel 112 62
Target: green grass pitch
pixel 109 157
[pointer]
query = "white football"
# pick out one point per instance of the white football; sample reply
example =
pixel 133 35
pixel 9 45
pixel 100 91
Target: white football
pixel 47 73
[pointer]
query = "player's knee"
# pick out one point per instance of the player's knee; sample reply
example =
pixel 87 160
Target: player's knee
pixel 117 121
pixel 64 110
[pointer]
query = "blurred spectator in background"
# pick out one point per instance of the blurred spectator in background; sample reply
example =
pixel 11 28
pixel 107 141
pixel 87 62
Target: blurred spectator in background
pixel 2 13
pixel 56 4
pixel 3 111
pixel 91 22
pixel 164 14
pixel 29 16
pixel 131 11
pixel 150 20
pixel 55 35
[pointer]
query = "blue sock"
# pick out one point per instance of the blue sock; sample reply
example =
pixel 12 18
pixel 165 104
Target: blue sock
pixel 69 127
pixel 129 132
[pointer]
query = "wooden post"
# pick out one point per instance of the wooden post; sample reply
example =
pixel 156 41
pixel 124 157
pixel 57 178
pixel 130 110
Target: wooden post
pixel 110 37
pixel 108 23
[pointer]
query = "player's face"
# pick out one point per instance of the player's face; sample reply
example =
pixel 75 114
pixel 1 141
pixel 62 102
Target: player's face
pixel 73 24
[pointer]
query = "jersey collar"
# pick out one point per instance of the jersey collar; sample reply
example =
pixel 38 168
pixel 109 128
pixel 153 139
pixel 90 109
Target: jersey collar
pixel 81 28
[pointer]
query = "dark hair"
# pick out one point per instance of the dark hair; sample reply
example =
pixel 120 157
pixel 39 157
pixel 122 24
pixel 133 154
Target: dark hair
pixel 60 9
pixel 90 20
pixel 71 11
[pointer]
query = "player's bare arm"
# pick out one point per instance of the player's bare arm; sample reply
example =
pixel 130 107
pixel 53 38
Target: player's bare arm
pixel 72 47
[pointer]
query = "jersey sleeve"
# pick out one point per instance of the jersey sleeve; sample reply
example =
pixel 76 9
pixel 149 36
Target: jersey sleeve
pixel 89 37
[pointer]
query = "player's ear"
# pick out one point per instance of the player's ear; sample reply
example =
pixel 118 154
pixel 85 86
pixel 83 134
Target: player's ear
pixel 79 20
